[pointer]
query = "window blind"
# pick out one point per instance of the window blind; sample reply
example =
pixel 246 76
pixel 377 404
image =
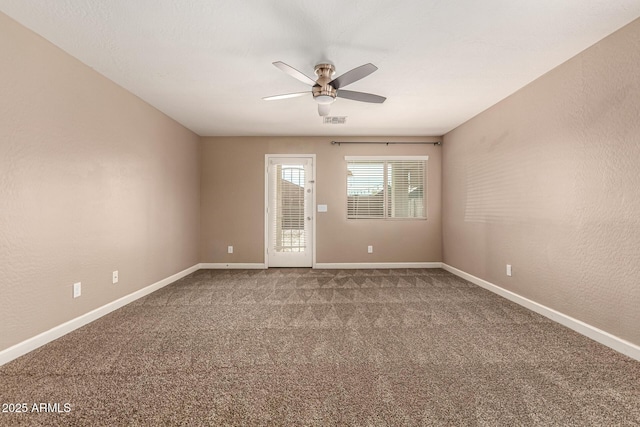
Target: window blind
pixel 386 188
pixel 288 228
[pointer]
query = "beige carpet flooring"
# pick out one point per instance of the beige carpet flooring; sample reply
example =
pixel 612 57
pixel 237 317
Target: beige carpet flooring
pixel 322 348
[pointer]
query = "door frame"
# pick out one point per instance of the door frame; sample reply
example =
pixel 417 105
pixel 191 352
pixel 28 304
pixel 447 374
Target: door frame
pixel 268 157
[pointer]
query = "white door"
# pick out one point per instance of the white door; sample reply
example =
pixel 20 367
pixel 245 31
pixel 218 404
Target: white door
pixel 290 211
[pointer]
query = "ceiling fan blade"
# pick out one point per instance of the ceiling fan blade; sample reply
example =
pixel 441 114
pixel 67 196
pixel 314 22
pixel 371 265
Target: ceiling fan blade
pixel 285 96
pixel 323 109
pixel 361 96
pixel 294 73
pixel 353 76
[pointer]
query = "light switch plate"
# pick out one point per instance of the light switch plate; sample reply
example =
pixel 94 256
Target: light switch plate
pixel 322 208
pixel 77 289
pixel 115 277
pixel 229 249
pixel 508 269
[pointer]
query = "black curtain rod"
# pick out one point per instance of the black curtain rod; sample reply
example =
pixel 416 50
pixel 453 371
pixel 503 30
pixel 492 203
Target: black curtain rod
pixel 382 142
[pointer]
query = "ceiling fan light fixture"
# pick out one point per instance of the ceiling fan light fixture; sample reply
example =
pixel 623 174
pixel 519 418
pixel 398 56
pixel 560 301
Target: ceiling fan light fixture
pixel 324 95
pixel 324 99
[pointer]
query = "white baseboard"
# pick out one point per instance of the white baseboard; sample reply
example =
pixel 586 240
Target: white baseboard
pixel 233 265
pixel 366 265
pixel 39 340
pixel 625 347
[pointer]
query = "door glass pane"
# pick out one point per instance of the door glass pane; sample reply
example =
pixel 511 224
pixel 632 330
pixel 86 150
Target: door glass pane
pixel 289 222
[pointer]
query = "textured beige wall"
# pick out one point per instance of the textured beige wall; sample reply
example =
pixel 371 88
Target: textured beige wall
pixel 233 208
pixel 92 180
pixel 548 180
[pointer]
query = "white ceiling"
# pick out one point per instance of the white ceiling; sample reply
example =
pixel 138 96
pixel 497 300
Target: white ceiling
pixel 207 64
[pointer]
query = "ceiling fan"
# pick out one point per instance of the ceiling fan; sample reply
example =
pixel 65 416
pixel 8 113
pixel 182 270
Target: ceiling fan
pixel 325 89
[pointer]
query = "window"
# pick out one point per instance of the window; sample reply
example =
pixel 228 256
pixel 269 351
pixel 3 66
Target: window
pixel 386 187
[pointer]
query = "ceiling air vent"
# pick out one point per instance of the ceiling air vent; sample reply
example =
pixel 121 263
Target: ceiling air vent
pixel 335 120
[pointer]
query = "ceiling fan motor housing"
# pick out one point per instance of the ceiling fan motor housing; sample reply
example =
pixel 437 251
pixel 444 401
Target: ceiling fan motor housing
pixel 323 92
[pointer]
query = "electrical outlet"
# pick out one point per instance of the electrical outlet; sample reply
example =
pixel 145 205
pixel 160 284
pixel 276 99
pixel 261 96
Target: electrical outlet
pixel 229 249
pixel 77 289
pixel 508 269
pixel 370 249
pixel 115 277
